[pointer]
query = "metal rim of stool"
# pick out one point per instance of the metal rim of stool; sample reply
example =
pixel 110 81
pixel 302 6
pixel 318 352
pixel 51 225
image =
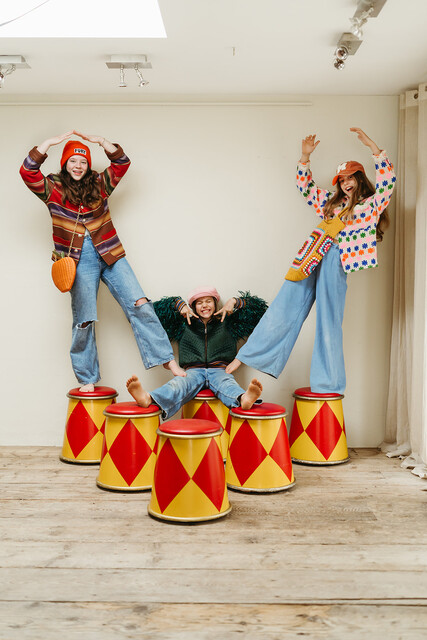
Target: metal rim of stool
pixel 267 490
pixel 216 516
pixel 319 464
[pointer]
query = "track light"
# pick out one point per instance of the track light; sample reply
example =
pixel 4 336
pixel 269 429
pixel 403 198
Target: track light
pixel 122 77
pixel 352 40
pixel 9 64
pixel 142 81
pixel 341 52
pixel 136 62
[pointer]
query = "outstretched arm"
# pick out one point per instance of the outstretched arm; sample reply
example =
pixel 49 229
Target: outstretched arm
pixel 103 142
pixel 50 142
pixel 308 145
pixel 366 140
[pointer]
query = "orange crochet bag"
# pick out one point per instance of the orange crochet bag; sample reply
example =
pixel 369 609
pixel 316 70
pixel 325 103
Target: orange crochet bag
pixel 64 268
pixel 63 271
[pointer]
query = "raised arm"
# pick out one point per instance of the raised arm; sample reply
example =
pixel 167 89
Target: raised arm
pixel 364 139
pixel 304 180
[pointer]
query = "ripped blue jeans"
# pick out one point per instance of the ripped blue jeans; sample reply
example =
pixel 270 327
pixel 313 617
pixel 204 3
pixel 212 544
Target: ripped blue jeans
pixel 151 338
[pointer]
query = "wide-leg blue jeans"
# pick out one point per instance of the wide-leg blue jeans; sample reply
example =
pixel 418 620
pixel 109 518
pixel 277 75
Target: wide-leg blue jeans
pixel 271 343
pixel 172 395
pixel 151 338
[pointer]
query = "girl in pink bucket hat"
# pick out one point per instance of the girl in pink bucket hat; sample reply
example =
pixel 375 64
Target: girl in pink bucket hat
pixel 207 343
pixel 353 221
pixel 77 200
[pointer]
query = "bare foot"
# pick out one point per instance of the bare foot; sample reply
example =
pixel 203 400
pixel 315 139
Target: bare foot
pixel 252 393
pixel 233 366
pixel 175 368
pixel 139 394
pixel 87 388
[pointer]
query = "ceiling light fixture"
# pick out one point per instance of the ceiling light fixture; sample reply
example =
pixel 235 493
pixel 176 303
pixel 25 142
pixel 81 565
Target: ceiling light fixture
pixel 142 81
pixel 9 64
pixel 122 77
pixel 136 62
pixel 351 41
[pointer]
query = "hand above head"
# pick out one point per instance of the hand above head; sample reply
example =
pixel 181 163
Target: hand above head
pixel 227 309
pixel 188 313
pixel 50 142
pixel 308 145
pixel 366 140
pixel 93 139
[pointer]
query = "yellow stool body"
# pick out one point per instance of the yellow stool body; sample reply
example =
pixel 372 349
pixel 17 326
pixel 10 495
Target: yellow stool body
pixel 128 451
pixel 258 457
pixel 317 433
pixel 84 428
pixel 189 478
pixel 206 406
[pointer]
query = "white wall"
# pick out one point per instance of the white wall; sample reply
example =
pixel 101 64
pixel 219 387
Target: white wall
pixel 209 198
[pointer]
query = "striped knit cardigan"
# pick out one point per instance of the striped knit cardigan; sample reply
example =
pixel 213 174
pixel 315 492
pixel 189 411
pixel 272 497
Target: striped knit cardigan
pixel 97 221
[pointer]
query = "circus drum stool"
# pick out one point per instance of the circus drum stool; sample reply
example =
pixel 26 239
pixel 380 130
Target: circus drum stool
pixel 206 406
pixel 317 433
pixel 127 460
pixel 84 429
pixel 258 458
pixel 189 478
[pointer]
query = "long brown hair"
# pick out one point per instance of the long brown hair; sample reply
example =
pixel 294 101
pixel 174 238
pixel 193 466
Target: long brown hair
pixel 363 190
pixel 86 191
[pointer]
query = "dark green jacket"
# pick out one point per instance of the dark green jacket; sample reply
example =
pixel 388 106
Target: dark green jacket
pixel 213 344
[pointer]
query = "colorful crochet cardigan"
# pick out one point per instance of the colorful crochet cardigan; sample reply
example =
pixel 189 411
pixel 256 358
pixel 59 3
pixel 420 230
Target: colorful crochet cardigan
pixel 97 221
pixel 357 241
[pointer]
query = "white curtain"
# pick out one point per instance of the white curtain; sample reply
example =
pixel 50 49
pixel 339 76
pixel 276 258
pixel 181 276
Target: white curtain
pixel 406 420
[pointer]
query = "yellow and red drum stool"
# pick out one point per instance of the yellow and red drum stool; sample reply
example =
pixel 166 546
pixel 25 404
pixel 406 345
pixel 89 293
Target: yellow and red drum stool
pixel 84 428
pixel 128 450
pixel 189 478
pixel 317 433
pixel 258 457
pixel 206 406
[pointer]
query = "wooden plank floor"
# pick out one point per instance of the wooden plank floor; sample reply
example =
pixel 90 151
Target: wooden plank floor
pixel 341 555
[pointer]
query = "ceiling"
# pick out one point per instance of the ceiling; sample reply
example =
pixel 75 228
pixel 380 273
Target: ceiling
pixel 231 50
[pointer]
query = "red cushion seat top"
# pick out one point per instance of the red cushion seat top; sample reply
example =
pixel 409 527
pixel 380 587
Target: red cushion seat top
pixel 306 392
pixel 130 409
pixel 205 393
pixel 264 410
pixel 100 392
pixel 189 427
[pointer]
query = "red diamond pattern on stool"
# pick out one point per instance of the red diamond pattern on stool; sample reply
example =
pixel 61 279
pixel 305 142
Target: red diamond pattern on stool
pixel 296 427
pixel 169 465
pixel 80 429
pixel 204 412
pixel 324 437
pixel 280 451
pixel 104 449
pixel 228 424
pixel 246 452
pixel 203 475
pixel 102 429
pixel 129 452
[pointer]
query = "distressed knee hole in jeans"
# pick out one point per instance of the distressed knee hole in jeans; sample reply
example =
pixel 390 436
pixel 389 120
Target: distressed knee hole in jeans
pixel 84 325
pixel 140 302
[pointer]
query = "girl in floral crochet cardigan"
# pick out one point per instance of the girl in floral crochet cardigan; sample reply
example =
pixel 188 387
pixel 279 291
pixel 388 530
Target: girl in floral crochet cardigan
pixel 361 207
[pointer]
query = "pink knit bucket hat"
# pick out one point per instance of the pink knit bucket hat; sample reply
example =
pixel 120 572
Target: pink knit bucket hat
pixel 201 292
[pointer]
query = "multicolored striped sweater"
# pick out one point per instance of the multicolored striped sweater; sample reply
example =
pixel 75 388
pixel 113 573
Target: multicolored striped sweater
pixel 97 221
pixel 357 241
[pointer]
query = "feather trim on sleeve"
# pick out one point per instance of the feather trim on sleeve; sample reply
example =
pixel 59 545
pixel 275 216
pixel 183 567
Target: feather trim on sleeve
pixel 243 321
pixel 171 320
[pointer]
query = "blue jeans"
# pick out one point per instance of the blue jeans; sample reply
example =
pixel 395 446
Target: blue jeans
pixel 150 336
pixel 172 395
pixel 271 343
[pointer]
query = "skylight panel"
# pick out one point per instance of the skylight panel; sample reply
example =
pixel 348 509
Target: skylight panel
pixel 81 19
